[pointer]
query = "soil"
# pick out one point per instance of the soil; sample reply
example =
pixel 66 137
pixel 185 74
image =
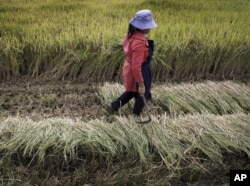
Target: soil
pixel 42 99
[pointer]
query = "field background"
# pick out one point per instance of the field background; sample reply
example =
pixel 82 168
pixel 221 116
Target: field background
pixel 60 64
pixel 81 39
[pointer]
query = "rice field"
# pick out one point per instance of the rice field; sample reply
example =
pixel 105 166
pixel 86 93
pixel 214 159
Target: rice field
pixel 189 140
pixel 60 64
pixel 81 39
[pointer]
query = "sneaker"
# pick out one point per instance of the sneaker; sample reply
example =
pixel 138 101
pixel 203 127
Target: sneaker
pixel 110 109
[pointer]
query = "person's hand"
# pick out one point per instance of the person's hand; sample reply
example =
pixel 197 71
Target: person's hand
pixel 141 90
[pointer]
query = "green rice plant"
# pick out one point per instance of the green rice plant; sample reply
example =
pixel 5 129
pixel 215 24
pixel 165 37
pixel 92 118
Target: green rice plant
pixel 195 40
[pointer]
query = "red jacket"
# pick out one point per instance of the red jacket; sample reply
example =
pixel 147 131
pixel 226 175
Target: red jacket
pixel 136 52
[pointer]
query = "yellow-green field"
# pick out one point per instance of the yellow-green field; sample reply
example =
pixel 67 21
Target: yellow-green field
pixel 81 39
pixel 60 64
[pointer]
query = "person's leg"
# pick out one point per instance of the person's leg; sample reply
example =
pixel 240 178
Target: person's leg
pixel 138 106
pixel 123 99
pixel 147 77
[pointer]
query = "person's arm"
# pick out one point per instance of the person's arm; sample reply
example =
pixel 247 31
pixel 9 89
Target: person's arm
pixel 138 50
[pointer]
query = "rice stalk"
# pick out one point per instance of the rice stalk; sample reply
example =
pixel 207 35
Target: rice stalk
pixel 214 46
pixel 197 143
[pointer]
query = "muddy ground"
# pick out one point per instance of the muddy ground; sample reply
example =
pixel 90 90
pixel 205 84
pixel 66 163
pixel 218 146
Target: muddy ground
pixel 42 99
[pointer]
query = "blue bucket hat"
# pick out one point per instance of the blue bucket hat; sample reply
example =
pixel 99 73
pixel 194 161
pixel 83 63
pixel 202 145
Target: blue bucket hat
pixel 143 20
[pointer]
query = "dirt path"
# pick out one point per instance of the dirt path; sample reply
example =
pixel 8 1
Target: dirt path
pixel 41 99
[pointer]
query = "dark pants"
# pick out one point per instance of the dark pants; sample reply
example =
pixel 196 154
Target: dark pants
pixel 125 98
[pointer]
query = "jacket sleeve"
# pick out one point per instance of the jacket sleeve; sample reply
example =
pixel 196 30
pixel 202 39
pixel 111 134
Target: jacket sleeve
pixel 138 49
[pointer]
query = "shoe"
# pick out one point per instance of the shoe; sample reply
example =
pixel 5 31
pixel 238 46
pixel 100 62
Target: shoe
pixel 137 118
pixel 110 109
